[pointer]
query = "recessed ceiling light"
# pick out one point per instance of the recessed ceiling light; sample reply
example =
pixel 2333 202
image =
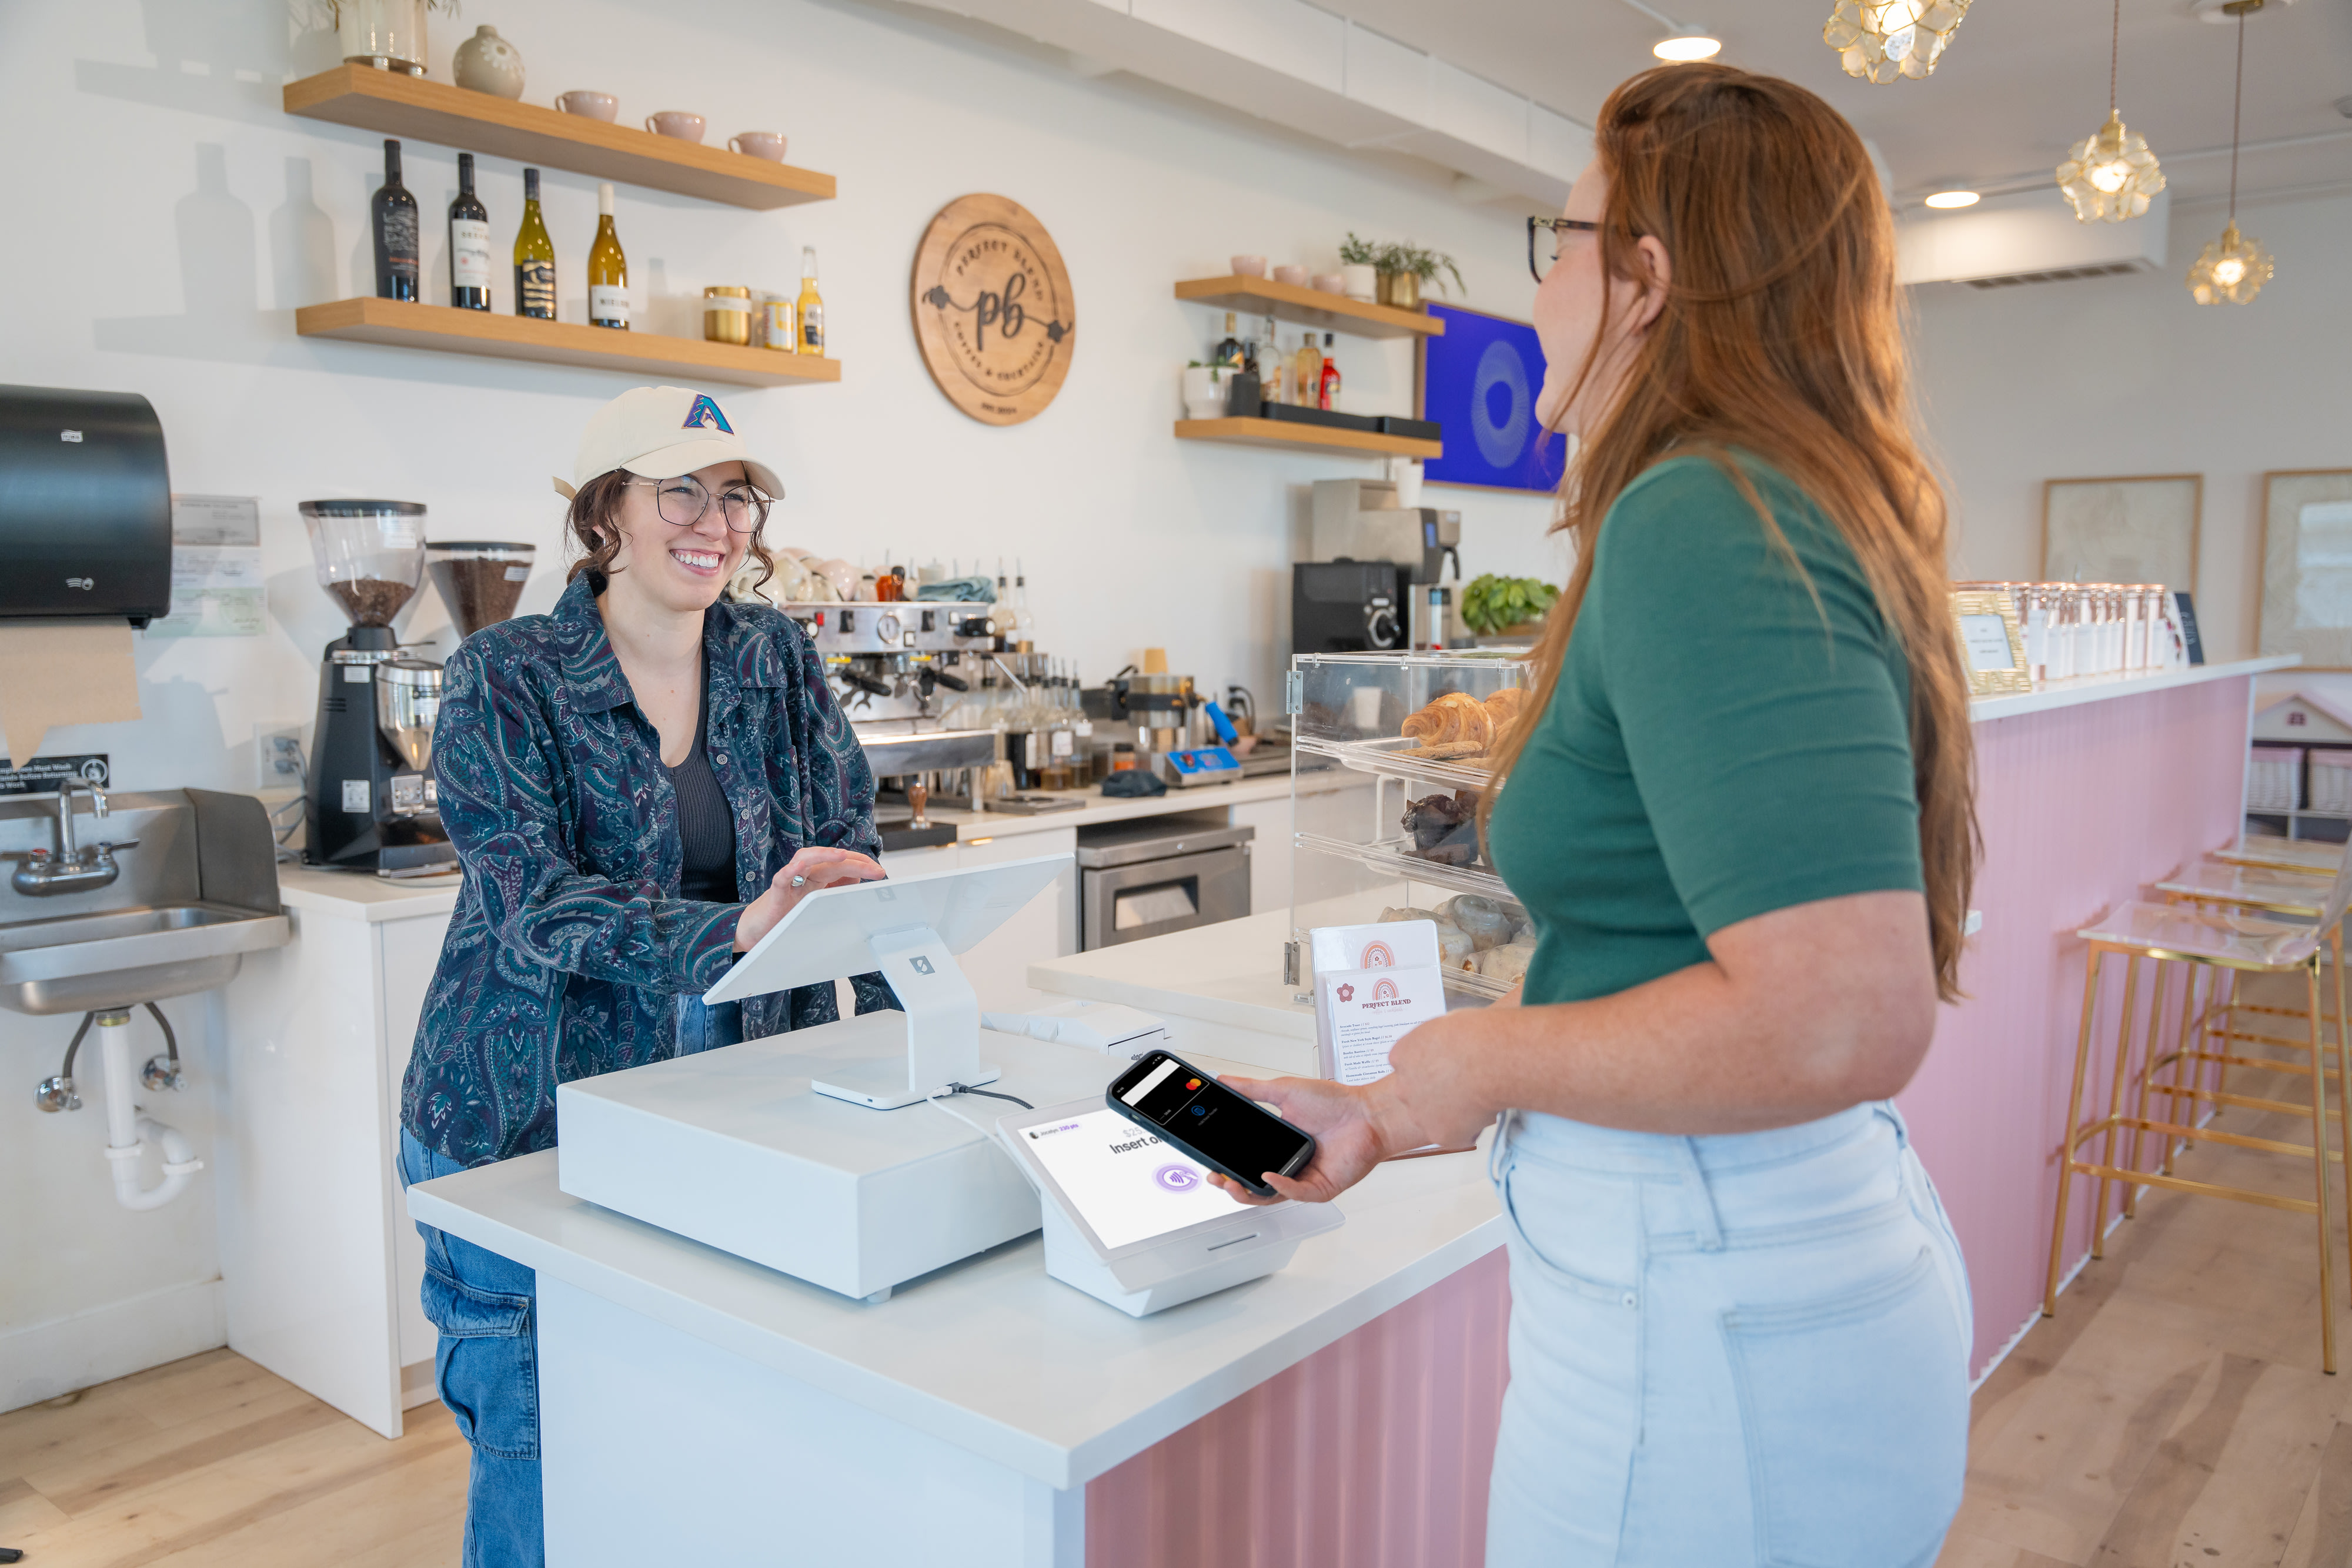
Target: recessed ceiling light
pixel 1692 45
pixel 1954 199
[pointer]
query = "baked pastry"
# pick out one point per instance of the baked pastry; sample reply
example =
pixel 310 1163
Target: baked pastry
pixel 1508 963
pixel 1483 919
pixel 1455 716
pixel 1445 827
pixel 1503 710
pixel 1445 751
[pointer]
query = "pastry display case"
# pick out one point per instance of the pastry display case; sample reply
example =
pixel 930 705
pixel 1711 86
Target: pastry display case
pixel 1427 728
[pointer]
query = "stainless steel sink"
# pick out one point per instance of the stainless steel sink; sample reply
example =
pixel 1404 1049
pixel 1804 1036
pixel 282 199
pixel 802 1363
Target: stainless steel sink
pixel 198 893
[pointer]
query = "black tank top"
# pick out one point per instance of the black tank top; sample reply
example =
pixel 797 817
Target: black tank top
pixel 706 823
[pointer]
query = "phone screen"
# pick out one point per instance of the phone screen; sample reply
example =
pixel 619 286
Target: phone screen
pixel 1193 1110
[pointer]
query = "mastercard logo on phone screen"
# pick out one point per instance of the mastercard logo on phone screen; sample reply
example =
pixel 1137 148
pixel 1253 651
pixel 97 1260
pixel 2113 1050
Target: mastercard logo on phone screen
pixel 1191 1084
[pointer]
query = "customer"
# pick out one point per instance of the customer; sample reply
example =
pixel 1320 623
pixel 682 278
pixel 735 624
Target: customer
pixel 1741 821
pixel 638 786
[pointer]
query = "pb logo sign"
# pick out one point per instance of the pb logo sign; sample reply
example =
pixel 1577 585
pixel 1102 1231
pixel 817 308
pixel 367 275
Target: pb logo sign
pixel 992 310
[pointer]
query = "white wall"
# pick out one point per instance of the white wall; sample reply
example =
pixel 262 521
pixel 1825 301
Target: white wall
pixel 2128 375
pixel 182 217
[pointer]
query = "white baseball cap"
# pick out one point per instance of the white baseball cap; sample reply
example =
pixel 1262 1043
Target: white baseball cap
pixel 659 433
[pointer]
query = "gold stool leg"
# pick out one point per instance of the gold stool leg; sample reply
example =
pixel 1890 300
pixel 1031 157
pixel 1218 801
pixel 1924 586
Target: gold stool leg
pixel 2114 1104
pixel 2222 1069
pixel 2188 1073
pixel 2319 1163
pixel 2147 1071
pixel 2066 1146
pixel 2343 1077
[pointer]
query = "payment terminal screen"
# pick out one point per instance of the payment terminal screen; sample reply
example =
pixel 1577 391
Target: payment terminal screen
pixel 1126 1183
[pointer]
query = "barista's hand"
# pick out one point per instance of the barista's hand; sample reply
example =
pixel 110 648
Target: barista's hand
pixel 819 868
pixel 1354 1129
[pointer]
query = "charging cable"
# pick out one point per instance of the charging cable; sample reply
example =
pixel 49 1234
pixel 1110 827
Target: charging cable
pixel 940 1100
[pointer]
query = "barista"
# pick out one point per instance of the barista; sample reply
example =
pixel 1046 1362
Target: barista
pixel 639 787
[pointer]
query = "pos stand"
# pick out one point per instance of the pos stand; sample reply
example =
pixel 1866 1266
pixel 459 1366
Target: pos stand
pixel 910 929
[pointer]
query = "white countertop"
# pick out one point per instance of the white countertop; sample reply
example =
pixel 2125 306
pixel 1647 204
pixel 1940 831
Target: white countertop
pixel 1228 973
pixel 2099 688
pixel 353 895
pixel 990 1353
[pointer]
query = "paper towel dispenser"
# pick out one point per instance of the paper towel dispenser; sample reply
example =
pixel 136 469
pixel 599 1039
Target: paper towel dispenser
pixel 85 506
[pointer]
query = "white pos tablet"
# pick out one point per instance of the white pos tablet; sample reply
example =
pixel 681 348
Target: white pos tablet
pixel 1131 1221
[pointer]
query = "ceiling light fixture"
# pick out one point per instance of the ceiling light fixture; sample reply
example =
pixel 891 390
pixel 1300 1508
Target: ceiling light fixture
pixel 1690 44
pixel 2110 175
pixel 1954 199
pixel 1882 40
pixel 2233 268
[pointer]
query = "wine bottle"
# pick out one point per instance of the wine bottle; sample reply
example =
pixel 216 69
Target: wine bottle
pixel 392 212
pixel 1307 365
pixel 608 270
pixel 810 306
pixel 1228 353
pixel 534 256
pixel 469 243
pixel 1327 387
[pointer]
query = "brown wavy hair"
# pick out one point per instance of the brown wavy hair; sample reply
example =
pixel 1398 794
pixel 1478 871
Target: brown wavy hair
pixel 595 522
pixel 1780 336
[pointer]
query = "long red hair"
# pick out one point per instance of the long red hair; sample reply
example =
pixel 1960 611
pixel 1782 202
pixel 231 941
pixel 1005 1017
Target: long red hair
pixel 1780 336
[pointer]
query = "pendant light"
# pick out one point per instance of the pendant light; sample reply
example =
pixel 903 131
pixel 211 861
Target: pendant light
pixel 1883 40
pixel 2233 268
pixel 2111 175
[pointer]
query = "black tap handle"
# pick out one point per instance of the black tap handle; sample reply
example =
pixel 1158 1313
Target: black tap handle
pixel 864 682
pixel 953 683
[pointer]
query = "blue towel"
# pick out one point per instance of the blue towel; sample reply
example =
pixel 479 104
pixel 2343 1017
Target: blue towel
pixel 958 591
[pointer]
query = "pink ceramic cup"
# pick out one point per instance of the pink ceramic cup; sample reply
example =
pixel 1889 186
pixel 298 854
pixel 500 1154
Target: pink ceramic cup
pixel 768 144
pixel 675 122
pixel 601 105
pixel 1330 283
pixel 1248 265
pixel 1294 276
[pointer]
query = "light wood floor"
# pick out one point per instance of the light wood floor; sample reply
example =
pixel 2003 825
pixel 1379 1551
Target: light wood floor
pixel 2172 1415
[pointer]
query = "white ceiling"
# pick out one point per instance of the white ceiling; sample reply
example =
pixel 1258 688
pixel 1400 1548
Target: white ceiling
pixel 2023 80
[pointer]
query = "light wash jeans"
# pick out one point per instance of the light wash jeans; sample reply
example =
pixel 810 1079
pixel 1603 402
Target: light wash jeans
pixel 1747 1349
pixel 486 1364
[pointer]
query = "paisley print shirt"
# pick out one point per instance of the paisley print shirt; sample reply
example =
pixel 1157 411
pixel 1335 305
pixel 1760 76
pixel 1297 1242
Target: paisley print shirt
pixel 570 943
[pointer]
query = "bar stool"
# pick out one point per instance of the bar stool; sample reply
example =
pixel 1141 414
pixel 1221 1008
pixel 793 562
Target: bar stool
pixel 2295 898
pixel 2305 857
pixel 2223 939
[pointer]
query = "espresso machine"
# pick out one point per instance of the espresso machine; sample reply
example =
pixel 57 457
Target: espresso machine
pixel 1374 580
pixel 371 800
pixel 897 668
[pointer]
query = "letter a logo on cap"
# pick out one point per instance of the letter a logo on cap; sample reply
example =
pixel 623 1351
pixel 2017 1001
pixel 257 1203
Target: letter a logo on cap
pixel 705 413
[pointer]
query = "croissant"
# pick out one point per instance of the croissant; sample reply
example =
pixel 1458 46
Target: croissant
pixel 1455 716
pixel 1503 709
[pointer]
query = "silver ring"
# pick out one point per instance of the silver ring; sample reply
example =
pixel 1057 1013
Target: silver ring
pixel 800 881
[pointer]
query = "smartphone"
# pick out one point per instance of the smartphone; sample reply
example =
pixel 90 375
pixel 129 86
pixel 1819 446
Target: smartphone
pixel 1230 1135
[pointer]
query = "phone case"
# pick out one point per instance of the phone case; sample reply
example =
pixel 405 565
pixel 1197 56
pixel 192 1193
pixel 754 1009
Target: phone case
pixel 1164 1135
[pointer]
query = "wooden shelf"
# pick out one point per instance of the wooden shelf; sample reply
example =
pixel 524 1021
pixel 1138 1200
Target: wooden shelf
pixel 394 104
pixel 1306 438
pixel 485 333
pixel 1307 307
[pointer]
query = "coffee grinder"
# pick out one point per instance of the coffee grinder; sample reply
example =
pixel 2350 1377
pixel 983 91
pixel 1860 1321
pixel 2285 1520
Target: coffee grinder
pixel 372 803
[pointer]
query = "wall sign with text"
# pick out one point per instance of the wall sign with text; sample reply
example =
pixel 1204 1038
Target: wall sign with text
pixel 993 311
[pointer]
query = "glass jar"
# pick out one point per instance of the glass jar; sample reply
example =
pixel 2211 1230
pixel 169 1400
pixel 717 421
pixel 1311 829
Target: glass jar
pixel 386 34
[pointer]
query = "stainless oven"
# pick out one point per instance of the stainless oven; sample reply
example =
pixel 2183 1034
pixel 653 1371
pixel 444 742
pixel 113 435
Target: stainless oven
pixel 1146 878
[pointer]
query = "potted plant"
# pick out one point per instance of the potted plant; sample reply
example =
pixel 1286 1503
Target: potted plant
pixel 1496 606
pixel 1204 390
pixel 386 34
pixel 1405 268
pixel 1359 267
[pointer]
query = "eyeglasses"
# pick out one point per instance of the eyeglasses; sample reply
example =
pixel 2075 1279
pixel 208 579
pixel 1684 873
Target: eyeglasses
pixel 683 501
pixel 1542 252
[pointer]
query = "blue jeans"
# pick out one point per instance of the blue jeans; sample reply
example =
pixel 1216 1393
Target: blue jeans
pixel 1747 1349
pixel 486 1369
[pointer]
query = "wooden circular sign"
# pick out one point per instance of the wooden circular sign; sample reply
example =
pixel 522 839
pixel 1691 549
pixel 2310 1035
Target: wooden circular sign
pixel 992 310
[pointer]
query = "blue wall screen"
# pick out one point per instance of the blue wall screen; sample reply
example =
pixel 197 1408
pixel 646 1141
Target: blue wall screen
pixel 1480 382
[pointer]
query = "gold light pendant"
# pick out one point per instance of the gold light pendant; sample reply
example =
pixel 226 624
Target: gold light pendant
pixel 2110 176
pixel 1883 40
pixel 2232 270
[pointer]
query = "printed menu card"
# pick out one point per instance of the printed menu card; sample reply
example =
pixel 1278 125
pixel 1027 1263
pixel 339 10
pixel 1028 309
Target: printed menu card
pixel 1372 985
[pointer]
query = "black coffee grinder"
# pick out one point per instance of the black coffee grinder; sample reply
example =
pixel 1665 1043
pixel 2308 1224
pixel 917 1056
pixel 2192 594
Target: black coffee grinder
pixel 371 805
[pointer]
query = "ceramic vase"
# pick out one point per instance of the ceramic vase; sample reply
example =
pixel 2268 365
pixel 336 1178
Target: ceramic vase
pixel 1362 281
pixel 1402 289
pixel 1205 392
pixel 487 63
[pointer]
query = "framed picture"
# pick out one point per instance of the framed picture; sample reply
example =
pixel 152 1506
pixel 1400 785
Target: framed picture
pixel 1992 644
pixel 2141 529
pixel 1480 382
pixel 2307 566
